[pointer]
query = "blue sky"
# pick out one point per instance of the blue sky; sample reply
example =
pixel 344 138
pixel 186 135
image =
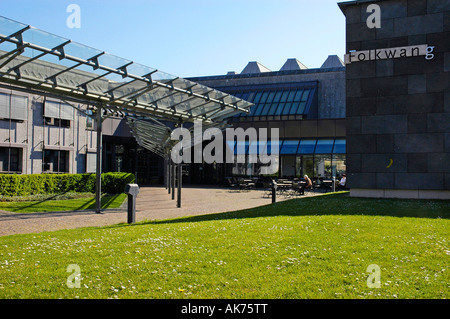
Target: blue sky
pixel 196 37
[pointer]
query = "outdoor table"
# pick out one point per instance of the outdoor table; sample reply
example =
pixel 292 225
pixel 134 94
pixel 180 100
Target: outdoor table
pixel 328 184
pixel 283 186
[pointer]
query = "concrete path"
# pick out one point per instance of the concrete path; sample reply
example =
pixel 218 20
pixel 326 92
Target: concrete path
pixel 153 203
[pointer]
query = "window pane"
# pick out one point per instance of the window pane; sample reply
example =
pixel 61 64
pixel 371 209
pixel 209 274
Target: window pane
pixel 257 97
pixel 273 109
pixel 298 96
pixel 66 111
pixel 287 108
pixel 289 147
pixel 19 107
pixel 308 165
pixel 63 156
pixel 4 159
pixel 51 109
pixel 339 146
pixel 91 162
pixel 270 97
pixel 322 165
pixel 294 108
pixel 254 109
pixel 277 97
pixel 280 108
pixel 307 146
pixel 264 97
pixel 4 105
pixel 339 166
pixel 89 120
pixel 305 95
pixel 259 109
pixel 284 96
pixel 291 96
pixel 266 109
pixel 324 146
pixel 251 96
pixel 288 166
pixel 301 108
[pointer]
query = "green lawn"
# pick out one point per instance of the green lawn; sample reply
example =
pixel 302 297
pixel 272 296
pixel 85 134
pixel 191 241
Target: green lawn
pixel 302 248
pixel 48 205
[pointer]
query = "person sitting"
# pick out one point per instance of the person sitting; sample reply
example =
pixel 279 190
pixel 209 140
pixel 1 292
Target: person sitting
pixel 307 185
pixel 342 182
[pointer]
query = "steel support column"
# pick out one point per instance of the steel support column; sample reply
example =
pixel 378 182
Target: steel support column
pixel 169 175
pixel 180 175
pixel 98 170
pixel 180 182
pixel 173 180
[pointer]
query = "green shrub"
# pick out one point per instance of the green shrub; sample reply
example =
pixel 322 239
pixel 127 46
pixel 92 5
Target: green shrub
pixel 24 185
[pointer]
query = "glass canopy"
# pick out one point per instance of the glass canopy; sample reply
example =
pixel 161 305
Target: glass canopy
pixel 45 62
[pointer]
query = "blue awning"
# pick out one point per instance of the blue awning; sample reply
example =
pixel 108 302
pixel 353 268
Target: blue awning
pixel 290 147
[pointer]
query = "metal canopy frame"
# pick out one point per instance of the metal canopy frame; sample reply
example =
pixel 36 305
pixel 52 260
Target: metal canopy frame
pixel 36 61
pixel 34 58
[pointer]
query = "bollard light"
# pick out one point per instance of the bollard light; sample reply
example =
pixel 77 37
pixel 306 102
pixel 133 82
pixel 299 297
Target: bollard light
pixel 132 190
pixel 274 191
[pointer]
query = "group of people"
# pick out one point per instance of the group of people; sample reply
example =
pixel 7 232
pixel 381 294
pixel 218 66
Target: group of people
pixel 341 184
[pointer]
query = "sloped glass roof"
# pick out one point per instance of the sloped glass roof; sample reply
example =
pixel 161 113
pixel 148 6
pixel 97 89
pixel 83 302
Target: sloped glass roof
pixel 34 58
pixel 276 100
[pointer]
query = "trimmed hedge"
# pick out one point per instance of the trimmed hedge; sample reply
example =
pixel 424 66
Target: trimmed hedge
pixel 23 185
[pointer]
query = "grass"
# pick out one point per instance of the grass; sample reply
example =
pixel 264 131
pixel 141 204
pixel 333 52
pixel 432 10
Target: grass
pixel 50 204
pixel 318 247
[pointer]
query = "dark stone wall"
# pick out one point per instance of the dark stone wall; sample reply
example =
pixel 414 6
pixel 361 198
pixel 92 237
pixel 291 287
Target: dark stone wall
pixel 399 109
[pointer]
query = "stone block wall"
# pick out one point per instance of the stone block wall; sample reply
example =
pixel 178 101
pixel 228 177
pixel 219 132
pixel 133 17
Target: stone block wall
pixel 398 110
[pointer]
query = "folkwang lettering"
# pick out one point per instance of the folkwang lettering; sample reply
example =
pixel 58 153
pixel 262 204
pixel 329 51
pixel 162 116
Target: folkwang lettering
pixel 390 53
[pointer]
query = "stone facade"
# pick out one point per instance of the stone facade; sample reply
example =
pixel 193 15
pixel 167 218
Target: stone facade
pixel 398 110
pixel 30 137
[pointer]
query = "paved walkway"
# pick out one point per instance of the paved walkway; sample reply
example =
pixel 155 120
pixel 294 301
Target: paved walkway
pixel 153 203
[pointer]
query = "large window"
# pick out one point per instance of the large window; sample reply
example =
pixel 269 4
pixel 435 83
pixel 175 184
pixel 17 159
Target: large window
pixel 322 166
pixel 317 158
pixel 13 107
pixel 89 120
pixel 58 114
pixel 307 165
pixel 277 101
pixel 287 166
pixel 339 165
pixel 55 161
pixel 10 160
